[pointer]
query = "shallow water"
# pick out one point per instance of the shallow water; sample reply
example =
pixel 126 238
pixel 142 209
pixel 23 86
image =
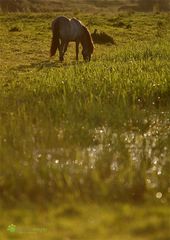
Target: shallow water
pixel 126 158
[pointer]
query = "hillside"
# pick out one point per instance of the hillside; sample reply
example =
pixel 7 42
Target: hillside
pixel 61 5
pixel 83 5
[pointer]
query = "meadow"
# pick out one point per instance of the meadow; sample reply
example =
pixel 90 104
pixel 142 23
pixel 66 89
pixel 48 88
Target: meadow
pixel 85 147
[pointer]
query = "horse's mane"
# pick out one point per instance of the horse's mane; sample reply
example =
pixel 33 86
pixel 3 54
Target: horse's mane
pixel 88 38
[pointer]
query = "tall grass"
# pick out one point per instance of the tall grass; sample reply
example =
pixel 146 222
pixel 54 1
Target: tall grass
pixel 85 131
pixel 88 131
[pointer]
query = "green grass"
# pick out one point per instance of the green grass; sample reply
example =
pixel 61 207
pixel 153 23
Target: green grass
pixel 87 222
pixel 93 133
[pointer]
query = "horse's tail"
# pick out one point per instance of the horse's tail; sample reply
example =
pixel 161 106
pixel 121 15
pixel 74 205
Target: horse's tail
pixel 55 38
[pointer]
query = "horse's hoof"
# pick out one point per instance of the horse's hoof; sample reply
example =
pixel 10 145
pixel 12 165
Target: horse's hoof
pixel 61 59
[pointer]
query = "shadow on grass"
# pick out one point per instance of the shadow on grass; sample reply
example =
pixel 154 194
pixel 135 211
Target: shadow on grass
pixel 162 238
pixel 161 230
pixel 46 64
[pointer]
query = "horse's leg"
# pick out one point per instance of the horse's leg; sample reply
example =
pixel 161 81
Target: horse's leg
pixel 77 50
pixel 61 51
pixel 65 46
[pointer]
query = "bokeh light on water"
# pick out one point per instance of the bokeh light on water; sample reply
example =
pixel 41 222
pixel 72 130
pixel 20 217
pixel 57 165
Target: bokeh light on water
pixel 136 150
pixel 119 160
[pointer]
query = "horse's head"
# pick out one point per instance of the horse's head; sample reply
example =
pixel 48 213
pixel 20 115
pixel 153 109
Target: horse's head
pixel 87 54
pixel 87 44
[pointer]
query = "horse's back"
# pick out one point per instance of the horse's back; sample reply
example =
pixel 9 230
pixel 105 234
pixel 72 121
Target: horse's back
pixel 61 20
pixel 69 29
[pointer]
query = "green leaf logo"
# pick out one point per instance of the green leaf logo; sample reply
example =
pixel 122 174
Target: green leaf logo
pixel 11 228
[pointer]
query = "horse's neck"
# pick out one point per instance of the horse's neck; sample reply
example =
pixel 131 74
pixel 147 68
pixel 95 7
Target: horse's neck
pixel 87 42
pixel 76 28
pixel 75 20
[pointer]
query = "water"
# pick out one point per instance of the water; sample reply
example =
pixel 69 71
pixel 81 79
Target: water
pixel 123 158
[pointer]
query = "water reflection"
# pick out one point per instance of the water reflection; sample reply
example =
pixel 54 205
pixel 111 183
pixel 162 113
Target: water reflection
pixel 139 149
pixel 129 159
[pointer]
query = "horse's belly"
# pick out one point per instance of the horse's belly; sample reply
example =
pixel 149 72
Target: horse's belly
pixel 70 36
pixel 73 37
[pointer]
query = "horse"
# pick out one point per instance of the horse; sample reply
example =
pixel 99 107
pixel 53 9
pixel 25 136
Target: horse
pixel 65 30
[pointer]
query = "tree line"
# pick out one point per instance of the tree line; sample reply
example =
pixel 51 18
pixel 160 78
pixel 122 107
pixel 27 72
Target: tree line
pixel 24 5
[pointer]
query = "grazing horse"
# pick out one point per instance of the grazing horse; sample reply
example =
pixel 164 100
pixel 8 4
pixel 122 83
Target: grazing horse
pixel 70 30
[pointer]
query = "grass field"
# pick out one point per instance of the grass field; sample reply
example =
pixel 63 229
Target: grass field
pixel 88 142
pixel 90 221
